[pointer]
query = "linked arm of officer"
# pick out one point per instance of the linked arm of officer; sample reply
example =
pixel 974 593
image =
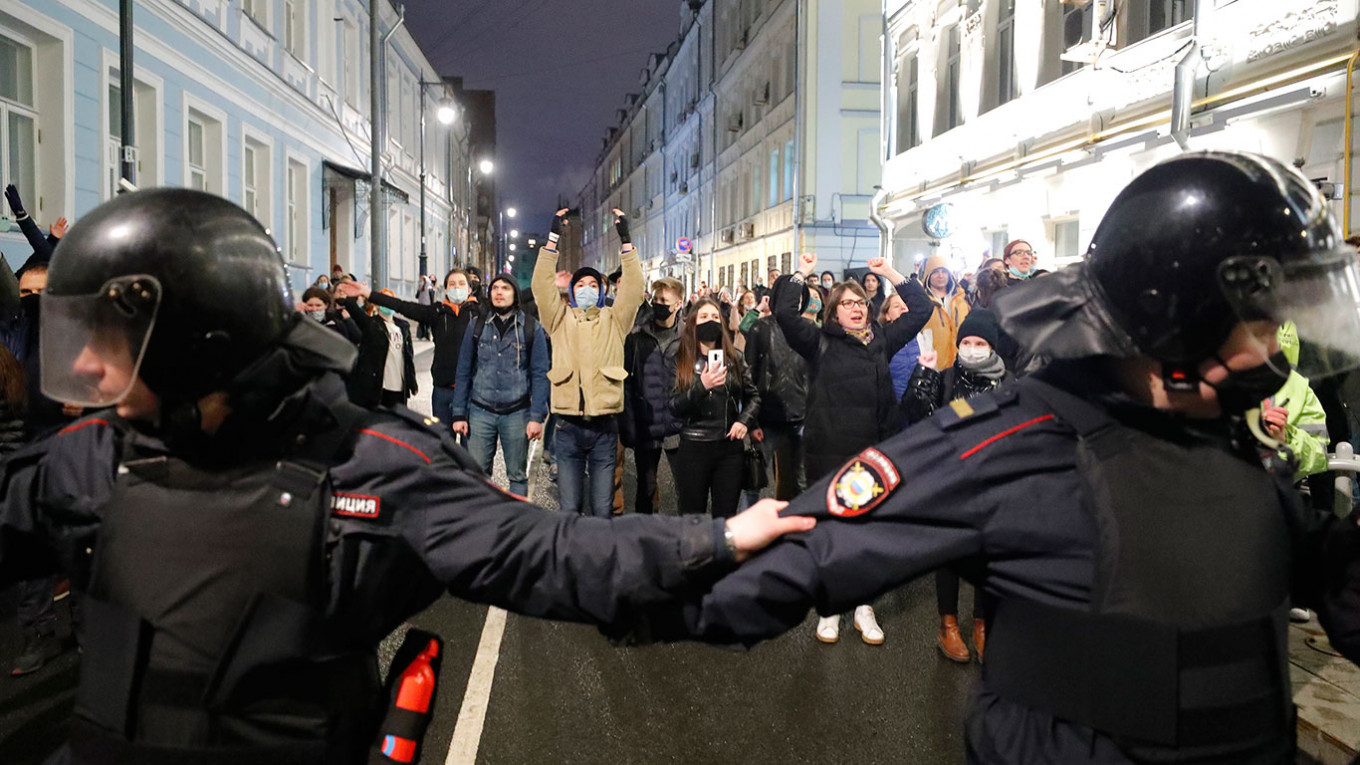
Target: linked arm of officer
pixel 891 514
pixel 485 545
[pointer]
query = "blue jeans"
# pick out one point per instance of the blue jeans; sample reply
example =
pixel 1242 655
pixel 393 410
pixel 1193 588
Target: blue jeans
pixel 484 427
pixel 581 446
pixel 441 406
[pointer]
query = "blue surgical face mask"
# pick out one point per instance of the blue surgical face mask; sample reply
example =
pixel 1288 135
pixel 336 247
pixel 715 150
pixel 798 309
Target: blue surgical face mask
pixel 1018 274
pixel 587 297
pixel 385 311
pixel 458 294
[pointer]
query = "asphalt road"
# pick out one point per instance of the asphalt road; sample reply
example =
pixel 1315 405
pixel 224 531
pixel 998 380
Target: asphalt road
pixel 544 692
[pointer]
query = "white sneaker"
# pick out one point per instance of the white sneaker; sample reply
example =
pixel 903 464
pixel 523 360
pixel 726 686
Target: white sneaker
pixel 868 625
pixel 829 629
pixel 1300 615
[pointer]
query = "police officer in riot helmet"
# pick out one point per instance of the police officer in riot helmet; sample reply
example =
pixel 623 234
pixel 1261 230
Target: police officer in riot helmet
pixel 1131 521
pixel 245 535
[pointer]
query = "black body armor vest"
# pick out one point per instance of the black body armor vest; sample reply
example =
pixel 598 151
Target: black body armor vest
pixel 206 616
pixel 1183 650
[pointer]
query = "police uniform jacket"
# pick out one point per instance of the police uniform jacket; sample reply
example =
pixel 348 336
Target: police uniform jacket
pixel 405 516
pixel 996 487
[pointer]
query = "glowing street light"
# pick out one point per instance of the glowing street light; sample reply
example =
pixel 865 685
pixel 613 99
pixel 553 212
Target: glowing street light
pixel 512 248
pixel 511 212
pixel 446 114
pixel 514 232
pixel 487 167
pixel 512 258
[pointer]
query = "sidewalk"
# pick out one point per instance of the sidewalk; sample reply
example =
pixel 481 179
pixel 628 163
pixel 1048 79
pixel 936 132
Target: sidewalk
pixel 1327 692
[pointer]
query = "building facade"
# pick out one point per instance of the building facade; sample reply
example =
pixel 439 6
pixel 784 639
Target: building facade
pixel 264 102
pixel 758 103
pixel 1022 119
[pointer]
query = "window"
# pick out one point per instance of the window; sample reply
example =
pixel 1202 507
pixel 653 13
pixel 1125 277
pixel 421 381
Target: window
pixel 1005 52
pixel 349 54
pixel 257 10
pixel 789 169
pixel 198 171
pixel 18 116
pixel 146 106
pixel 1066 241
pixel 1152 16
pixel 756 205
pixel 999 241
pixel 203 150
pixel 325 42
pixel 295 28
pixel 908 103
pixel 774 177
pixel 947 113
pixel 1076 30
pixel 257 180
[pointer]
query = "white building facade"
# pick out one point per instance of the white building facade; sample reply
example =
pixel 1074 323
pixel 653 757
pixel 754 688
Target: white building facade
pixel 1022 119
pixel 757 104
pixel 264 102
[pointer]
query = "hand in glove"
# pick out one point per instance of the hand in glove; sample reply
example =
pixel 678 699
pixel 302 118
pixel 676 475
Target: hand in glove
pixel 15 203
pixel 621 225
pixel 559 220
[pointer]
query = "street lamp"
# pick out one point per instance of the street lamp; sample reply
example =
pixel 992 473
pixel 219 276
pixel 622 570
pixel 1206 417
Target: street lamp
pixel 514 232
pixel 512 212
pixel 512 249
pixel 446 114
pixel 487 167
pixel 503 238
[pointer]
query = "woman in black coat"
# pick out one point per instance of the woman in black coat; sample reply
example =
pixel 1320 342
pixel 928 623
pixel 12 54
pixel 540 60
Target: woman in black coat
pixel 718 406
pixel 385 372
pixel 851 401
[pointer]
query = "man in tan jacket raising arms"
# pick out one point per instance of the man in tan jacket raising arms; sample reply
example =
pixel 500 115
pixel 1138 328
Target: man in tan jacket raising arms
pixel 587 368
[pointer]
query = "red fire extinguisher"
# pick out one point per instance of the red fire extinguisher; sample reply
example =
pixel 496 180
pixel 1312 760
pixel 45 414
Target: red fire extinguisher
pixel 413 697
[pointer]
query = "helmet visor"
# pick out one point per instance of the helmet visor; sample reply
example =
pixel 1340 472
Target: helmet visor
pixel 1321 297
pixel 92 345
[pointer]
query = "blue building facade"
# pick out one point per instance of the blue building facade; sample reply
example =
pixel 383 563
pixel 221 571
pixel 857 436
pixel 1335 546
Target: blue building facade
pixel 264 102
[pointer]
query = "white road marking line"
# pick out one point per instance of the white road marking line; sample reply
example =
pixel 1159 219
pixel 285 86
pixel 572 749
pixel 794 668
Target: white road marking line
pixel 467 731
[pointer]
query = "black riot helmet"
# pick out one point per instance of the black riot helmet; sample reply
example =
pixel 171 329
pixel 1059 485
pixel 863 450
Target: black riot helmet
pixel 180 287
pixel 1186 251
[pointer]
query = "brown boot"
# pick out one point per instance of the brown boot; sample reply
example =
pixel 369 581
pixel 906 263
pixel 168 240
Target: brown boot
pixel 979 637
pixel 950 641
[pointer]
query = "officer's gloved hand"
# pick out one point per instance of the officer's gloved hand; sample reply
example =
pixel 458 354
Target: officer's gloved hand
pixel 15 203
pixel 621 225
pixel 555 231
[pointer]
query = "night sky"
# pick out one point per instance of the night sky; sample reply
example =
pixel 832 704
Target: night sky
pixel 560 68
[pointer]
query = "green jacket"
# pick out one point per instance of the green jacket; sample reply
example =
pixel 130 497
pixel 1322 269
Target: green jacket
pixel 1306 433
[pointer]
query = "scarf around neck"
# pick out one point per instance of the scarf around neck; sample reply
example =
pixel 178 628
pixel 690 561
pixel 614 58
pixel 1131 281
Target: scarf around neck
pixel 865 335
pixel 991 367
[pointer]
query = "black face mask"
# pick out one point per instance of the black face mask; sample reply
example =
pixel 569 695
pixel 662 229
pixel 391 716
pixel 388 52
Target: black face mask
pixel 1245 389
pixel 709 333
pixel 30 305
pixel 661 313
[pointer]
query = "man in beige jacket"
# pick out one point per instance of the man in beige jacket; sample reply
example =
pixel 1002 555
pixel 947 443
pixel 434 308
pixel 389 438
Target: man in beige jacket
pixel 587 371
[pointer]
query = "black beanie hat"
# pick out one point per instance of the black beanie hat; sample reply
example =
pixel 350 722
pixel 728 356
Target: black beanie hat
pixel 514 288
pixel 576 277
pixel 980 323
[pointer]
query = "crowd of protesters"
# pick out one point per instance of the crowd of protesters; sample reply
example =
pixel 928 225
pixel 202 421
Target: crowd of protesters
pixel 742 390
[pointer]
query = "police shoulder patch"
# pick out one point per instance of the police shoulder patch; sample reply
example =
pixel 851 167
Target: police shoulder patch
pixel 363 506
pixel 862 484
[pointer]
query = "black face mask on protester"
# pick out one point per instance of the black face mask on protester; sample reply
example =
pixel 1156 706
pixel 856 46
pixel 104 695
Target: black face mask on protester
pixel 661 313
pixel 1245 389
pixel 30 305
pixel 710 332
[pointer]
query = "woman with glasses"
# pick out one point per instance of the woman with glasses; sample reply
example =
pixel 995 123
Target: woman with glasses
pixel 1019 259
pixel 851 403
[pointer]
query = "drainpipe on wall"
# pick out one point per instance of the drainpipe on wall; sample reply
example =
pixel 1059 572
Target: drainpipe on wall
pixel 884 227
pixel 1183 94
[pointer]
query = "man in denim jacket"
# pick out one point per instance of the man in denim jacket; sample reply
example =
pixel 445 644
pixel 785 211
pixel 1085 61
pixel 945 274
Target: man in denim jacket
pixel 502 384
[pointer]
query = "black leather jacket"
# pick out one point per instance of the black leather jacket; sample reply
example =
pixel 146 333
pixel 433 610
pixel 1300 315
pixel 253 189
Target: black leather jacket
pixel 709 414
